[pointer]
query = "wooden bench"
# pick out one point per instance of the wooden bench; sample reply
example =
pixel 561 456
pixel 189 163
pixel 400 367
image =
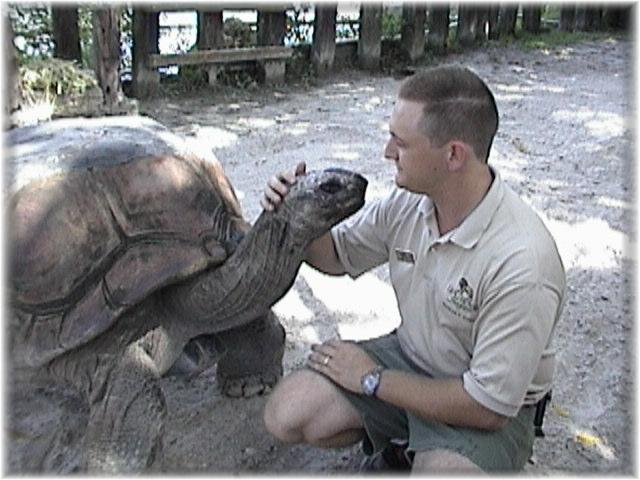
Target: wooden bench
pixel 271 60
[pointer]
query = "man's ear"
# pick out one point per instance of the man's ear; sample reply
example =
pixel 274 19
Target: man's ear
pixel 458 155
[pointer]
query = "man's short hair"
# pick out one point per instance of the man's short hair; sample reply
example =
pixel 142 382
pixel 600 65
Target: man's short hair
pixel 458 105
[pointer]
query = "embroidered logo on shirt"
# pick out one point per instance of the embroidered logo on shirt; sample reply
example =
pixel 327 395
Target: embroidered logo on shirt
pixel 405 256
pixel 460 300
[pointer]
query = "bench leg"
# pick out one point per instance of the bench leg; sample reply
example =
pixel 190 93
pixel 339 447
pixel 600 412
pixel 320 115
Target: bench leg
pixel 273 70
pixel 212 72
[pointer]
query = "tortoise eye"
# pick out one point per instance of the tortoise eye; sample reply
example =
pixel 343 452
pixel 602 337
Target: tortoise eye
pixel 330 186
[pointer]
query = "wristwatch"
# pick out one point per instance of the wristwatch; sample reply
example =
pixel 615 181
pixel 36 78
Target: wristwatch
pixel 371 381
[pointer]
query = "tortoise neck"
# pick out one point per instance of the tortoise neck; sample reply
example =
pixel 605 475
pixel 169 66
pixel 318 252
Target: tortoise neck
pixel 254 277
pixel 268 255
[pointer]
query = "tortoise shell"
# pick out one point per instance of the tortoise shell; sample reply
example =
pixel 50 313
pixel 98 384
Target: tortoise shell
pixel 102 213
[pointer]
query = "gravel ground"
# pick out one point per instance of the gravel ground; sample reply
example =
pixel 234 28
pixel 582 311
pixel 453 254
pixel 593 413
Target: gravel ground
pixel 564 144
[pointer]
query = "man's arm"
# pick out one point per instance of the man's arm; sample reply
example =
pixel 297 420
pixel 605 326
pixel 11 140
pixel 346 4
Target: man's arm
pixel 321 254
pixel 439 400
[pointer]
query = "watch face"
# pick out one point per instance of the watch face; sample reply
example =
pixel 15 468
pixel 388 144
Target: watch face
pixel 369 384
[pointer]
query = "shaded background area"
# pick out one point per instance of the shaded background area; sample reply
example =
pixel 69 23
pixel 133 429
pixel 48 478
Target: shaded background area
pixel 564 144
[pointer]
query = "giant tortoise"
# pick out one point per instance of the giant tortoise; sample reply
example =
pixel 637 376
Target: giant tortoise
pixel 129 258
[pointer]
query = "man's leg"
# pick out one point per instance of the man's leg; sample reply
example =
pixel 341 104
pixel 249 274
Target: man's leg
pixel 443 461
pixel 307 407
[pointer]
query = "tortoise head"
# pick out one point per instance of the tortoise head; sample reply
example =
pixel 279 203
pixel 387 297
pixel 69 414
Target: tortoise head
pixel 321 199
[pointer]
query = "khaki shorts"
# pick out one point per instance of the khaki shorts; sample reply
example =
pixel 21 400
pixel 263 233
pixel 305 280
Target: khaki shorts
pixel 507 449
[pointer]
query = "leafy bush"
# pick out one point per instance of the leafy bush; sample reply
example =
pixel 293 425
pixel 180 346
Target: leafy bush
pixel 391 24
pixel 53 77
pixel 237 34
pixel 33 30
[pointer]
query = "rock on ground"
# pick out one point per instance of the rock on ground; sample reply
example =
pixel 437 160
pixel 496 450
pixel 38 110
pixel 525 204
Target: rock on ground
pixel 564 144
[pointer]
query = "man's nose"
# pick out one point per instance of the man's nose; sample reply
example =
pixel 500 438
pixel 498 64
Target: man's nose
pixel 390 150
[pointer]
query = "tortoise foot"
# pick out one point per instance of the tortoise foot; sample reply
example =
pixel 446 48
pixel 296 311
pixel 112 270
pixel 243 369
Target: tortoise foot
pixel 249 385
pixel 252 363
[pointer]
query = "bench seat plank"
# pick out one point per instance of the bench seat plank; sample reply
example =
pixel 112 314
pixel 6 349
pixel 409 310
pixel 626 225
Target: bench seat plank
pixel 227 55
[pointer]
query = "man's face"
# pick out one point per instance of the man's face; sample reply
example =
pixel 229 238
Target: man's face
pixel 420 165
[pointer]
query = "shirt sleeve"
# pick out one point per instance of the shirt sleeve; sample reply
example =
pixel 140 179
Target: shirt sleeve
pixel 512 332
pixel 360 241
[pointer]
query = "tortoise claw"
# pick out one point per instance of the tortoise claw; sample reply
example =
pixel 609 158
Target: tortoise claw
pixel 248 386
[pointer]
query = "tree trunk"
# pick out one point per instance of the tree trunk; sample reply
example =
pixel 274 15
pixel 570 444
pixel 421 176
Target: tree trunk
pixel 467 25
pixel 65 32
pixel 323 46
pixel 12 97
pixel 438 28
pixel 568 18
pixel 145 42
pixel 531 18
pixel 271 27
pixel 412 34
pixel 106 47
pixel 210 30
pixel 370 41
pixel 507 20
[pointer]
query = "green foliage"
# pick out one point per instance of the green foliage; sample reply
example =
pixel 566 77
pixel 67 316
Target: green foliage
pixel 551 12
pixel 237 33
pixel 192 76
pixel 86 36
pixel 391 24
pixel 53 77
pixel 32 25
pixel 299 68
pixel 33 30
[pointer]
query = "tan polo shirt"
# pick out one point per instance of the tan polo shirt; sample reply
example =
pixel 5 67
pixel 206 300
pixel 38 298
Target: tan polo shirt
pixel 480 302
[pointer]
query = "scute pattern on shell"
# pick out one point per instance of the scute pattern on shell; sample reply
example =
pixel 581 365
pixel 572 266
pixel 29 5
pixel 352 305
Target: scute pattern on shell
pixel 87 242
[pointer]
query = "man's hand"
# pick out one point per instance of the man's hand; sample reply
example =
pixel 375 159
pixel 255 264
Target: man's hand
pixel 343 362
pixel 278 187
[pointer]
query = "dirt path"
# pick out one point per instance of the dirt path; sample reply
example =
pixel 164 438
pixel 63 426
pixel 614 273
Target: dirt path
pixel 564 144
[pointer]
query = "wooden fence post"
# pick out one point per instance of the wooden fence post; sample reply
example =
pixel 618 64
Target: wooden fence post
pixel 412 33
pixel 210 30
pixel 567 18
pixel 323 46
pixel 507 20
pixel 370 36
pixel 438 26
pixel 466 33
pixel 494 11
pixel 588 18
pixel 531 18
pixel 272 24
pixel 145 80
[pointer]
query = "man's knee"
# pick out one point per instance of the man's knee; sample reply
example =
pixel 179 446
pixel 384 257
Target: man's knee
pixel 306 407
pixel 279 415
pixel 443 461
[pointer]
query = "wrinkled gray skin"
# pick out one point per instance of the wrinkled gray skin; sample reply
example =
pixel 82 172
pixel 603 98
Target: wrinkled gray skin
pixel 117 370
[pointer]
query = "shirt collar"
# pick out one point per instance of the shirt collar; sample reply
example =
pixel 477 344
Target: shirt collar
pixel 471 229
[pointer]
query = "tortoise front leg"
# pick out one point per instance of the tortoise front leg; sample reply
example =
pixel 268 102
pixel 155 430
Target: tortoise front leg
pixel 252 363
pixel 127 416
pixel 127 409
